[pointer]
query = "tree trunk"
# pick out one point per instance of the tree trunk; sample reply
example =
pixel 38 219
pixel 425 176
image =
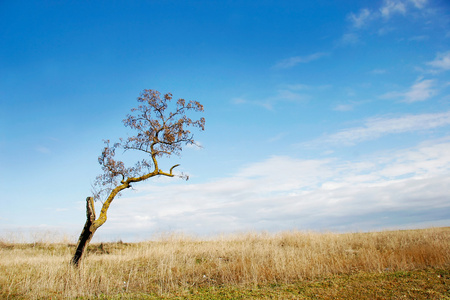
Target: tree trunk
pixel 87 233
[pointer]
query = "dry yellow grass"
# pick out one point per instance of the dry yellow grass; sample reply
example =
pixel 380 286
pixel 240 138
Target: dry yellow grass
pixel 175 264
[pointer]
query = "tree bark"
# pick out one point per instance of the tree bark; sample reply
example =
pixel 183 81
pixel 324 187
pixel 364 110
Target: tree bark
pixel 87 233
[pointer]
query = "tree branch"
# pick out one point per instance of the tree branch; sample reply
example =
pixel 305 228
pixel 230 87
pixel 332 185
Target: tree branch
pixel 102 218
pixel 173 168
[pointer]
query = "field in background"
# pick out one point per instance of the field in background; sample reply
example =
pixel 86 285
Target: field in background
pixel 414 264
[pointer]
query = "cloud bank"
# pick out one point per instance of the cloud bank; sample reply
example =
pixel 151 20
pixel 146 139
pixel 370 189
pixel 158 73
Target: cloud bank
pixel 384 190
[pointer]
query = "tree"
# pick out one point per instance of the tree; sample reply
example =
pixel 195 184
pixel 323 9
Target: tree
pixel 160 132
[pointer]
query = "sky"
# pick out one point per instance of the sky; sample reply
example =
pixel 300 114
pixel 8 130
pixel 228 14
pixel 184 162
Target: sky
pixel 320 115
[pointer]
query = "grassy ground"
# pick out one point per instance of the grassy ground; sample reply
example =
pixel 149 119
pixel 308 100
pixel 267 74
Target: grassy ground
pixel 412 264
pixel 418 284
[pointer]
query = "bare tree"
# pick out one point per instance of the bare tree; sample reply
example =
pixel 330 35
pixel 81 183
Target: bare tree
pixel 160 132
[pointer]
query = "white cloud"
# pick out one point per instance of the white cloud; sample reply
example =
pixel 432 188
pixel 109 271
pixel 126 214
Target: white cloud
pixel 387 10
pixel 277 137
pixel 419 3
pixel 343 107
pixel 350 105
pixel 297 87
pixel 360 19
pixel 281 95
pixel 420 91
pixel 442 61
pixel 349 39
pixel 391 7
pixel 288 95
pixel 379 17
pixel 280 193
pixel 385 30
pixel 293 61
pixel 419 38
pixel 378 71
pixel 377 127
pixel 43 149
pixel 239 100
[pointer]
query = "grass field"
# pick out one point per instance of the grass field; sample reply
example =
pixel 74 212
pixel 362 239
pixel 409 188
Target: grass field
pixel 410 264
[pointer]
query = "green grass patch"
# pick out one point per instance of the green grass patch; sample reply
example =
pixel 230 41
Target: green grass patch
pixel 417 284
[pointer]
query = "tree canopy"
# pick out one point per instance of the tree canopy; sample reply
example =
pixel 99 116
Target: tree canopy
pixel 161 129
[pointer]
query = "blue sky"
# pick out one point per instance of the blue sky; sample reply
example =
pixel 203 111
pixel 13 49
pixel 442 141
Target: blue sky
pixel 320 115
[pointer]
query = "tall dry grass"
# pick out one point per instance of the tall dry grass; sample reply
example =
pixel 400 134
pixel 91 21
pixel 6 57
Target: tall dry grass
pixel 176 263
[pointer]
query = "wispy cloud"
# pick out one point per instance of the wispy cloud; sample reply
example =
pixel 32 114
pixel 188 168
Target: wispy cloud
pixel 391 7
pixel 43 149
pixel 441 62
pixel 293 61
pixel 297 87
pixel 360 19
pixel 277 137
pixel 349 38
pixel 281 95
pixel 344 107
pixel 378 71
pixel 375 128
pixel 419 38
pixel 421 90
pixel 386 11
pixel 419 3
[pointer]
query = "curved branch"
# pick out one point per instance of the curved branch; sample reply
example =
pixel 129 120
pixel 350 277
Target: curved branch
pixel 173 168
